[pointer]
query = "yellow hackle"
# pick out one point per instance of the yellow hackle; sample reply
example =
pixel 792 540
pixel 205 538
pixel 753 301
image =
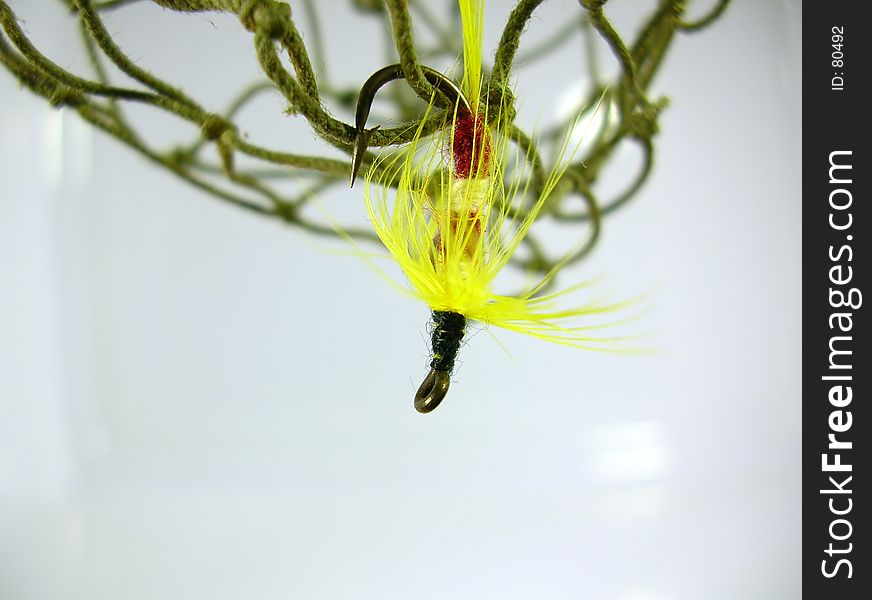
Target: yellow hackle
pixel 458 274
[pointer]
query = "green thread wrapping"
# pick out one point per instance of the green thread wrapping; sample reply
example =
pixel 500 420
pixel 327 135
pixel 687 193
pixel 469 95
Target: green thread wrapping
pixel 274 33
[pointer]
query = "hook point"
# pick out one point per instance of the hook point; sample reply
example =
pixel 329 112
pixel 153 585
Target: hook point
pixel 361 142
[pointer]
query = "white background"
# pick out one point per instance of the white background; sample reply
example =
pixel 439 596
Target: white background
pixel 200 403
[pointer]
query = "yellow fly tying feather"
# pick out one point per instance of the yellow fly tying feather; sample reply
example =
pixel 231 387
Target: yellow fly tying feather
pixel 452 234
pixel 460 278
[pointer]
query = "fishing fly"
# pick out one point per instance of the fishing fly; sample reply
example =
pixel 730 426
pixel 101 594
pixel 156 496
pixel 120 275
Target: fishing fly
pixel 441 207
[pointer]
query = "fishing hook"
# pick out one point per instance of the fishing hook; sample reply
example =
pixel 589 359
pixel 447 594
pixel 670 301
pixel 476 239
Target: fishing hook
pixel 367 95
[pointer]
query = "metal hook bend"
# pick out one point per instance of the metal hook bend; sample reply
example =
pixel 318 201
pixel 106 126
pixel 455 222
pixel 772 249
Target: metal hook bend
pixel 432 391
pixel 367 95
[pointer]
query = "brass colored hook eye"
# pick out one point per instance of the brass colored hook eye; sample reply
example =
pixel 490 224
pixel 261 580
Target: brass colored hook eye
pixel 432 391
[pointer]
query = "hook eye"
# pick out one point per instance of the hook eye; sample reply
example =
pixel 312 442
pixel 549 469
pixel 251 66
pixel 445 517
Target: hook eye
pixel 432 391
